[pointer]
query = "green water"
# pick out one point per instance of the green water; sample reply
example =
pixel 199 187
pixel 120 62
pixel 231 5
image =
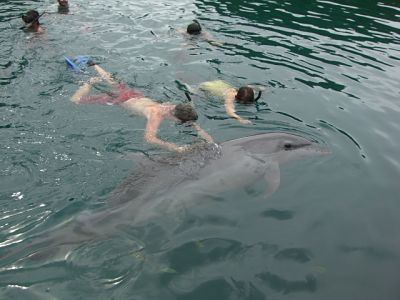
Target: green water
pixel 330 70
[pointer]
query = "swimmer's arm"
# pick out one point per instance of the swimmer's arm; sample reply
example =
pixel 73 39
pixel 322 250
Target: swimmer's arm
pixel 208 138
pixel 104 74
pixel 230 110
pixel 150 135
pixel 210 38
pixel 84 89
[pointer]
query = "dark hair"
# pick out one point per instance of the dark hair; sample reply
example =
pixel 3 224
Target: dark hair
pixel 63 4
pixel 194 28
pixel 185 112
pixel 245 95
pixel 31 16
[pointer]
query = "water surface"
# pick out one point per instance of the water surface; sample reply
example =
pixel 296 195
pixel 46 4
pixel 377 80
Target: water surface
pixel 330 71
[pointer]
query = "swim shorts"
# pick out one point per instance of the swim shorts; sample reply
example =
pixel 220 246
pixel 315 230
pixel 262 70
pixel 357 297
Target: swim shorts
pixel 121 93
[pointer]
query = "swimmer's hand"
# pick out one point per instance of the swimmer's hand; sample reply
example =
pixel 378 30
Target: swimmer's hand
pixel 94 80
pixel 182 149
pixel 244 121
pixel 216 43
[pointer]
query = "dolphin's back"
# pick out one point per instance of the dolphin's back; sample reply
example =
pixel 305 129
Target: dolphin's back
pixel 163 182
pixel 159 173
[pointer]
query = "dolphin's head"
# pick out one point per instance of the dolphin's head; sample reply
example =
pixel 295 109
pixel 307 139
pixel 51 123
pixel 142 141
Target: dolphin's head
pixel 279 146
pixel 293 146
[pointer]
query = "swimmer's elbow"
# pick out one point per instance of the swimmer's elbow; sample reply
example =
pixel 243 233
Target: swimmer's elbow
pixel 75 99
pixel 151 139
pixel 148 138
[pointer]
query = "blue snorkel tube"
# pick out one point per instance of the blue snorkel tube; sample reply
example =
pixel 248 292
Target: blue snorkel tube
pixel 79 63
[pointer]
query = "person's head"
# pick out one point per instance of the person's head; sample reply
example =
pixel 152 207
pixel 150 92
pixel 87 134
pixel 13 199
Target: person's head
pixel 31 17
pixel 63 3
pixel 194 28
pixel 245 95
pixel 185 113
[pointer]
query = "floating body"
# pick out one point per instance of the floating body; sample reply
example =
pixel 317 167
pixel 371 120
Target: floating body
pixel 163 184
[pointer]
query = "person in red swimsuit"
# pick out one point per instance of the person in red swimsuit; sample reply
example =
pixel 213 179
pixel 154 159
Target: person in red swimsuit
pixel 134 100
pixel 121 92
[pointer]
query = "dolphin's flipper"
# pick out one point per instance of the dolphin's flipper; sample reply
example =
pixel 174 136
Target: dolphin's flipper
pixel 272 177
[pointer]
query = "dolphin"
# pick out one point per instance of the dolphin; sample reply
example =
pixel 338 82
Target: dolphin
pixel 161 184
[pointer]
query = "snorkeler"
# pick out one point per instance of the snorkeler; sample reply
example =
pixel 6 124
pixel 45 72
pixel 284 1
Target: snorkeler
pixel 231 95
pixel 63 6
pixel 137 103
pixel 63 3
pixel 195 29
pixel 31 19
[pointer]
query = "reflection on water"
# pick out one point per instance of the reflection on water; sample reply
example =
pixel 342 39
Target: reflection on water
pixel 330 72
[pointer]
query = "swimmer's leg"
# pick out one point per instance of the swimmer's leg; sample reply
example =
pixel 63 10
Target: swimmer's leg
pixel 104 74
pixel 84 89
pixel 100 99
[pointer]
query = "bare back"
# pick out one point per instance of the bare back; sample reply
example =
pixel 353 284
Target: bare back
pixel 140 106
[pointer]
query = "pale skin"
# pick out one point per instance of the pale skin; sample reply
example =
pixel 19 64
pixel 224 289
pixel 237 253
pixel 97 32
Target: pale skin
pixel 35 27
pixel 204 34
pixel 154 112
pixel 229 103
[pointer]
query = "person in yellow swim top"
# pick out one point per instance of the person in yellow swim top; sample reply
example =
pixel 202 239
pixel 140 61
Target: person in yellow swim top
pixel 243 95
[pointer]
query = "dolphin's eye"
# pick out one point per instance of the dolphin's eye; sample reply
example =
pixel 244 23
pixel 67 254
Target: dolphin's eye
pixel 287 146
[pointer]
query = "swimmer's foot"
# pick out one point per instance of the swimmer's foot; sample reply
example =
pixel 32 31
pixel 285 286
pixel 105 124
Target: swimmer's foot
pixel 75 100
pixel 91 63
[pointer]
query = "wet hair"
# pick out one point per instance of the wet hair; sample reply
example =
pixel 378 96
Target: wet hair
pixel 194 28
pixel 31 17
pixel 185 113
pixel 245 95
pixel 63 4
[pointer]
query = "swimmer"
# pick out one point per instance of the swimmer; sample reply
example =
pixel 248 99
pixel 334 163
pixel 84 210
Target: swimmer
pixel 231 95
pixel 63 6
pixel 134 101
pixel 31 19
pixel 195 29
pixel 63 3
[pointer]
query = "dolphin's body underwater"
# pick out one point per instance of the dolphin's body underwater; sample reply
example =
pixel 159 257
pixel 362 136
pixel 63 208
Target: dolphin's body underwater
pixel 162 183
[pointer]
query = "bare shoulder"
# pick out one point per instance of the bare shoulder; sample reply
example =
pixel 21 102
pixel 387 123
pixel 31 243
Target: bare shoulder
pixel 143 106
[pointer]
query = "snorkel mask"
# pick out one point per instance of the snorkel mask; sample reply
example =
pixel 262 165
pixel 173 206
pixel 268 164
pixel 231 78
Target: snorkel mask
pixel 30 18
pixel 245 95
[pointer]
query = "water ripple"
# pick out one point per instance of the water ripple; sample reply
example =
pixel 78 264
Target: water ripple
pixel 329 72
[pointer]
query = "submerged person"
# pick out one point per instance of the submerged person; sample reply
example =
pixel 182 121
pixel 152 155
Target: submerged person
pixel 63 6
pixel 195 29
pixel 231 96
pixel 136 102
pixel 31 19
